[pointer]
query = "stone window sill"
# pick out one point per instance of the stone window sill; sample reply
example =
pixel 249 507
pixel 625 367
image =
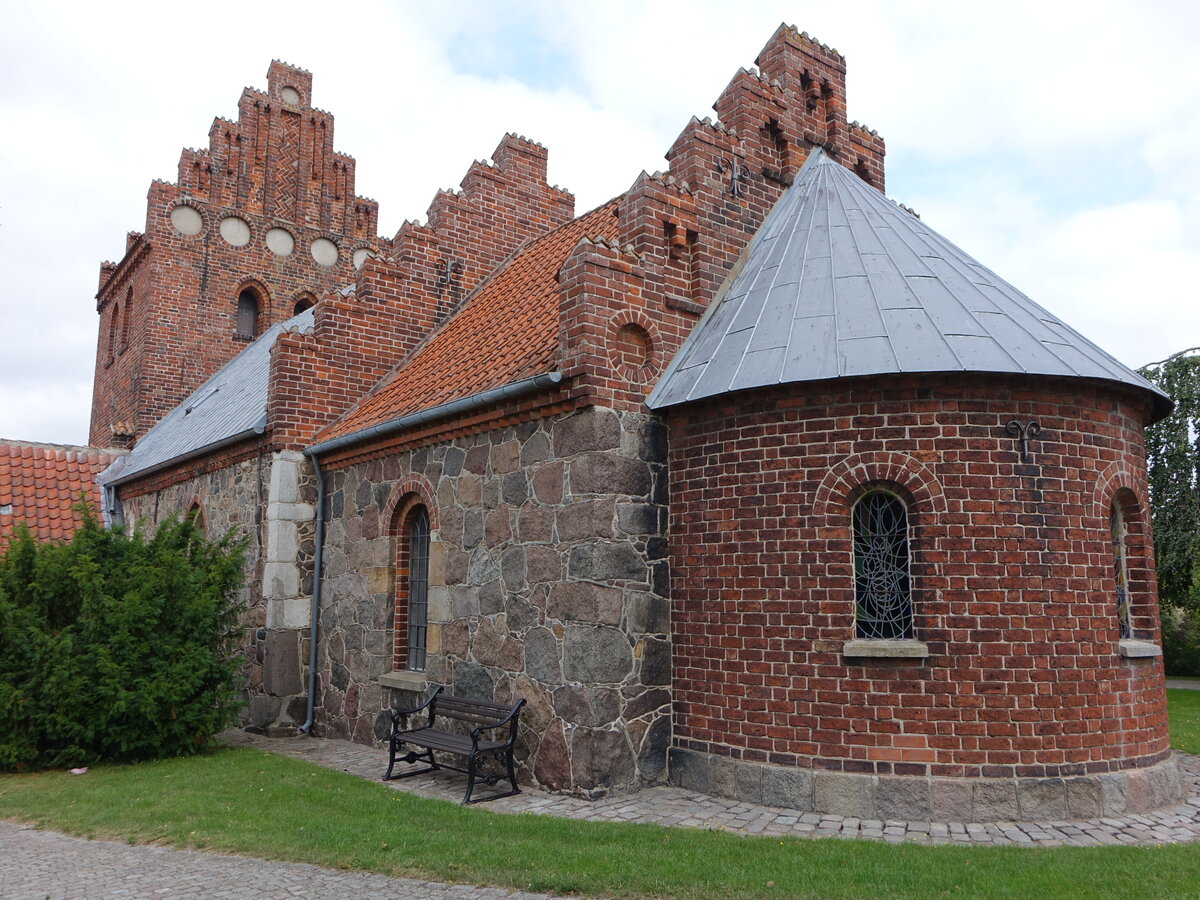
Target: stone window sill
pixel 1132 649
pixel 907 648
pixel 405 681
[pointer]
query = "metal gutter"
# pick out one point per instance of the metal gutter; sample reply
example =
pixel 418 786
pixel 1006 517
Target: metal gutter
pixel 258 428
pixel 454 407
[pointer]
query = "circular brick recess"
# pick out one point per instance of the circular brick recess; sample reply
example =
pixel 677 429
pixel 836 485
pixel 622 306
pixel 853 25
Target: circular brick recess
pixel 324 251
pixel 1015 690
pixel 236 231
pixel 187 220
pixel 280 242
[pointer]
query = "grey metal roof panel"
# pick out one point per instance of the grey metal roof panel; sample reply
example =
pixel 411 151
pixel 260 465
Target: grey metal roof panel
pixel 231 402
pixel 840 281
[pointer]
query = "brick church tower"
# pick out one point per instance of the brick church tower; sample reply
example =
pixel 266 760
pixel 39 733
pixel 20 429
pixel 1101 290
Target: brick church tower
pixel 256 228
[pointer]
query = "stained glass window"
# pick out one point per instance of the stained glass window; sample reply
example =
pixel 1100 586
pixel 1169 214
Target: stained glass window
pixel 882 593
pixel 1120 573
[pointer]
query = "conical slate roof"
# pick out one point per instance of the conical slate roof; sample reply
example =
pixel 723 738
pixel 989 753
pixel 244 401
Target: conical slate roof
pixel 841 281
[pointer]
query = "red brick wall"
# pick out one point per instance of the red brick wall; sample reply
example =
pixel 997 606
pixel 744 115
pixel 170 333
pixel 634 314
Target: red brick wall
pixel 274 168
pixel 681 232
pixel 1011 570
pixel 397 302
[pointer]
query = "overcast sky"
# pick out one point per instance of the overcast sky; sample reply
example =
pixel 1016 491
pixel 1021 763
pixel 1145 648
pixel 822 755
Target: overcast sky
pixel 1057 142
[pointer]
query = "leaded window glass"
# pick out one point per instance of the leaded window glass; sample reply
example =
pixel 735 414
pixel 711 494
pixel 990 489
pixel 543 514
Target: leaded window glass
pixel 418 588
pixel 882 590
pixel 1120 572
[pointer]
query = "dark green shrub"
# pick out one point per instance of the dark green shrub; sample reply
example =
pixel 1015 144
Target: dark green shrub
pixel 1181 640
pixel 117 647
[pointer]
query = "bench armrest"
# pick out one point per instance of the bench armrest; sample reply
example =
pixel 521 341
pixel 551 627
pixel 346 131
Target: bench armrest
pixel 510 720
pixel 399 715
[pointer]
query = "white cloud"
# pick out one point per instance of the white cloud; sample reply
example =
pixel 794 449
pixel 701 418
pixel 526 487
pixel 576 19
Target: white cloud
pixel 1054 141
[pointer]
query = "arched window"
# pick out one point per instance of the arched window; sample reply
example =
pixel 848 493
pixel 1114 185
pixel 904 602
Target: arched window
pixel 247 314
pixel 195 514
pixel 1121 571
pixel 882 590
pixel 125 320
pixel 303 302
pixel 412 590
pixel 114 326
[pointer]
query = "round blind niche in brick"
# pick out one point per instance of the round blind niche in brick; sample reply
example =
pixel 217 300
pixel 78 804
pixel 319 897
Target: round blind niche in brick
pixel 631 350
pixel 324 251
pixel 187 220
pixel 280 242
pixel 236 231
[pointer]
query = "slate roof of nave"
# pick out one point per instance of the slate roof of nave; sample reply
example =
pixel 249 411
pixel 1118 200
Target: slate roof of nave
pixel 230 403
pixel 840 281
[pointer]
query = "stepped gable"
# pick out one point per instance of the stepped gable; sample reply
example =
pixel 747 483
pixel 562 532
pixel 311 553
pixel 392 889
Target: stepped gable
pixel 41 484
pixel 507 332
pixel 277 160
pixel 840 281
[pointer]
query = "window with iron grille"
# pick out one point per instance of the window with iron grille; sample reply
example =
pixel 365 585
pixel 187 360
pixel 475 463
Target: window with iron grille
pixel 882 588
pixel 1120 572
pixel 418 588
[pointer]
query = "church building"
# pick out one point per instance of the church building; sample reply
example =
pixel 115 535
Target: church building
pixel 746 479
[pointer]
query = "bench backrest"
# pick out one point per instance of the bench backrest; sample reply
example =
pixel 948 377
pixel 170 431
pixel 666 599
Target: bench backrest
pixel 476 712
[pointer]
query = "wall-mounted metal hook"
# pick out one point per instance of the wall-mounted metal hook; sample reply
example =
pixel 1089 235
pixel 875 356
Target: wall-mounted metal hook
pixel 1025 433
pixel 448 270
pixel 737 174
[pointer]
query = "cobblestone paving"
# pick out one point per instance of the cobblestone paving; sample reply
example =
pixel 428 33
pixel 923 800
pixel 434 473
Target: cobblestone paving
pixel 35 865
pixel 675 806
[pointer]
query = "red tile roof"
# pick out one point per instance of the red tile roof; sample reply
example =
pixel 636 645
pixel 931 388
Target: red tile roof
pixel 506 332
pixel 40 483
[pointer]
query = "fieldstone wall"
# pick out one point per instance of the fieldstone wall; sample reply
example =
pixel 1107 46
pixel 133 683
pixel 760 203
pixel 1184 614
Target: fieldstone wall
pixel 548 580
pixel 930 798
pixel 270 499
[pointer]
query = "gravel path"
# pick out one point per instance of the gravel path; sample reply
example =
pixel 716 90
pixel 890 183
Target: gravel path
pixel 36 865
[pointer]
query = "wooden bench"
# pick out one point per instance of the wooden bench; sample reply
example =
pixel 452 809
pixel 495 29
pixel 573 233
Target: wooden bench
pixel 481 716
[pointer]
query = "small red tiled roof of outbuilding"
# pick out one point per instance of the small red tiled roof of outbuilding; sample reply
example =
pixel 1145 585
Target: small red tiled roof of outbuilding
pixel 506 332
pixel 40 485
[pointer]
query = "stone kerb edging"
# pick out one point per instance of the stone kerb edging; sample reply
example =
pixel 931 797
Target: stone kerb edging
pixel 930 798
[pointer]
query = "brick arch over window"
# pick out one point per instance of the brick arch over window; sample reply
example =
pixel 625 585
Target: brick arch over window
pixel 412 490
pixel 253 309
pixel 411 518
pixel 1119 485
pixel 195 512
pixel 848 479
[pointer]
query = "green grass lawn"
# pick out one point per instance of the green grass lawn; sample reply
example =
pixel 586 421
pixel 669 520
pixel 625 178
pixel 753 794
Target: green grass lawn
pixel 246 801
pixel 1184 708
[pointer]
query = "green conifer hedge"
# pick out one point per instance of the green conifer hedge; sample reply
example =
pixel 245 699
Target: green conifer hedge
pixel 117 647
